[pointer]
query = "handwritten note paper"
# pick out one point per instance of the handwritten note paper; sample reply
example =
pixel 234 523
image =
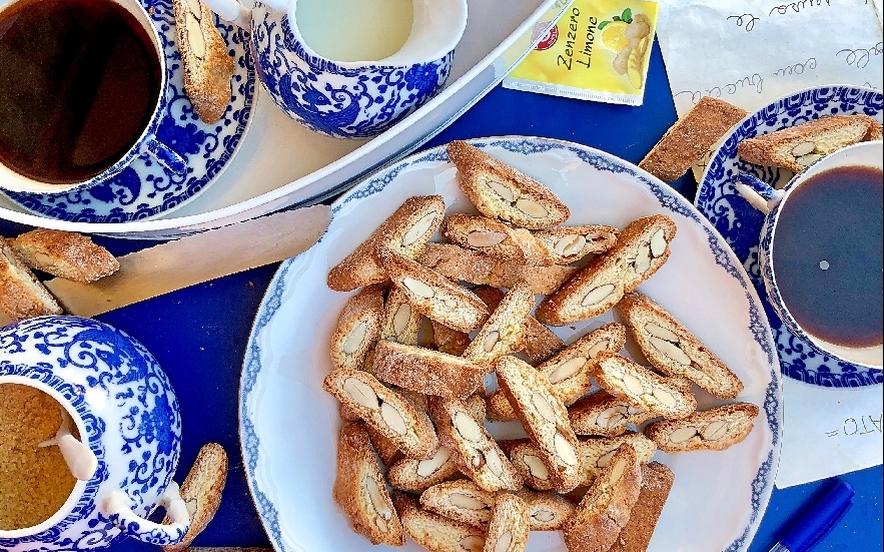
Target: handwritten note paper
pixel 751 52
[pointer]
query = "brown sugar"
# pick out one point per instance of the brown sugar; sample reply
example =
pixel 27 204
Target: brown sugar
pixel 34 481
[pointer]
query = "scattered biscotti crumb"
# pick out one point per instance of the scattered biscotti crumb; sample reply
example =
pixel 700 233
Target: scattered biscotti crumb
pixel 690 138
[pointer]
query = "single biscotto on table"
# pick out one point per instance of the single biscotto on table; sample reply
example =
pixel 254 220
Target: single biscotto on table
pixel 67 255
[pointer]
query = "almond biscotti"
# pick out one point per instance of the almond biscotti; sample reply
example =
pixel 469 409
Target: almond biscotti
pixel 544 419
pixel 434 532
pixel 361 491
pixel 405 232
pixel 688 140
pixel 384 410
pixel 500 191
pixel 427 371
pixel 657 482
pixel 641 249
pixel 605 415
pixel 495 239
pixel 67 255
pixel 21 294
pixel 475 451
pixel 596 452
pixel 569 244
pixel 796 147
pixel 401 322
pixel 547 511
pixel 461 500
pixel 607 505
pixel 673 349
pixel 715 429
pixel 358 328
pixel 670 397
pixel 413 475
pixel 504 331
pixel 434 295
pixel 509 526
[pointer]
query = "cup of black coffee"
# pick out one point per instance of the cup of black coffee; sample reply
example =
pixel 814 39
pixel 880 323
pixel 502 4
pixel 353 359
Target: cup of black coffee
pixel 821 257
pixel 82 86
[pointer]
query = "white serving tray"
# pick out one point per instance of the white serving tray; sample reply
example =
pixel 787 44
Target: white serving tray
pixel 281 164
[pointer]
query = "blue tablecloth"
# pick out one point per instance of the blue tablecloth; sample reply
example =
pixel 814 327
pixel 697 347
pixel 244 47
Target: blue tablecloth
pixel 199 334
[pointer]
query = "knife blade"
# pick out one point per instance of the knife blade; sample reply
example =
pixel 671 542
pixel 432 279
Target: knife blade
pixel 195 259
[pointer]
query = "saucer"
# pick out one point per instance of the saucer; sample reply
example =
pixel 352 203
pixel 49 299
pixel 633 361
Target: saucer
pixel 740 224
pixel 146 189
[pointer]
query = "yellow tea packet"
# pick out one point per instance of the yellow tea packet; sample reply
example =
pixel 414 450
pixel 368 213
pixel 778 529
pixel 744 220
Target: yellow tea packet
pixel 598 50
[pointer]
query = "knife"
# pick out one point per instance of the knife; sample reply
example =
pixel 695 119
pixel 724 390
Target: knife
pixel 195 259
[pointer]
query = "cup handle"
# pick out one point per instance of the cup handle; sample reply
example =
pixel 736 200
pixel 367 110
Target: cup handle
pixel 116 507
pixel 758 193
pixel 164 155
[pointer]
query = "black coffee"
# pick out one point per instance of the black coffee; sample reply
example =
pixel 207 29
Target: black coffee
pixel 79 80
pixel 827 256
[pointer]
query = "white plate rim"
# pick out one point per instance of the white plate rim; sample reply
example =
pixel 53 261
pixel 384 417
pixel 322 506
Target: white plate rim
pixel 772 409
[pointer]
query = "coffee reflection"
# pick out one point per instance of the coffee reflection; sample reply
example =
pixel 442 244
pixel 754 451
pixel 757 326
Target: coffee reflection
pixel 79 82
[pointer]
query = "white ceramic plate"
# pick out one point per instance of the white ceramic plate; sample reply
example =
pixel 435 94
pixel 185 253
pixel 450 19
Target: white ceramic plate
pixel 740 224
pixel 289 426
pixel 281 163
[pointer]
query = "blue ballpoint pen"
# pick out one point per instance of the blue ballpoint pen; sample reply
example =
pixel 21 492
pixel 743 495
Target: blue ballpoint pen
pixel 815 522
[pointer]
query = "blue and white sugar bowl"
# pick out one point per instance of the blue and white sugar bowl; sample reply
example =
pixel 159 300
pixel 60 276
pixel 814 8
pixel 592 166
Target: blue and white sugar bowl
pixel 350 68
pixel 113 394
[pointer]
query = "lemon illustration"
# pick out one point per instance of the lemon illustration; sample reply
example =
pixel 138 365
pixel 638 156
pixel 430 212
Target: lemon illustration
pixel 614 36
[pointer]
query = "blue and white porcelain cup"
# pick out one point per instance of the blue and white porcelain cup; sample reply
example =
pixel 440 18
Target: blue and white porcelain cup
pixel 778 255
pixel 350 83
pixel 146 143
pixel 125 412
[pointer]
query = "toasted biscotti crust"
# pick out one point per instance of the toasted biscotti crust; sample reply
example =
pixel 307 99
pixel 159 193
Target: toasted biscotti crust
pixel 358 328
pixel 67 255
pixel 596 452
pixel 714 429
pixel 384 410
pixel 604 415
pixel 509 526
pixel 360 489
pixel 876 129
pixel 544 419
pixel 691 137
pixel 547 511
pixel 504 331
pixel 657 482
pixel 500 191
pixel 495 239
pixel 461 500
pixel 406 232
pixel 21 294
pixel 672 349
pixel 208 67
pixel 434 295
pixel 669 397
pixel 569 244
pixel 641 249
pixel 410 474
pixel 434 532
pixel 427 371
pixel 607 505
pixel 796 147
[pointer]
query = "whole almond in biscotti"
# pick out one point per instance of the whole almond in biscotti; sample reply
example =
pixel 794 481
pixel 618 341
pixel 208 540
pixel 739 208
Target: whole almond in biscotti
pixel 500 191
pixel 509 526
pixel 358 328
pixel 476 453
pixel 641 249
pixel 434 532
pixel 461 500
pixel 504 331
pixel 607 505
pixel 657 482
pixel 714 429
pixel 544 419
pixel 413 475
pixel 596 452
pixel 673 349
pixel 361 491
pixel 496 239
pixel 605 415
pixel 208 67
pixel 547 511
pixel 401 322
pixel 569 244
pixel 405 232
pixel 427 371
pixel 569 371
pixel 384 410
pixel 434 295
pixel 669 397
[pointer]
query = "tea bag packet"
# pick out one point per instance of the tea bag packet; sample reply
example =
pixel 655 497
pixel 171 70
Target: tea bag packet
pixel 598 50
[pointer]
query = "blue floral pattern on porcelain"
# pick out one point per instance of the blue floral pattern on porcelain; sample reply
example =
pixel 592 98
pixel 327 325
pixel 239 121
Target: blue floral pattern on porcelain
pixel 127 413
pixel 740 224
pixel 145 188
pixel 330 98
